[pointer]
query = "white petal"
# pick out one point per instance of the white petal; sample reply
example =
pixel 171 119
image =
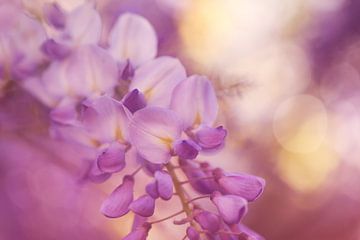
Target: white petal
pixel 83 26
pixel 88 71
pixel 157 79
pixel 133 38
pixel 152 131
pixel 194 99
pixel 106 120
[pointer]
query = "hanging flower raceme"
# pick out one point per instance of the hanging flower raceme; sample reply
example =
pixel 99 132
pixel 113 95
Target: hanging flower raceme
pixel 117 96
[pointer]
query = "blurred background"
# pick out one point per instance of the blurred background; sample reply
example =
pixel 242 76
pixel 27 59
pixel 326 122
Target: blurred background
pixel 287 78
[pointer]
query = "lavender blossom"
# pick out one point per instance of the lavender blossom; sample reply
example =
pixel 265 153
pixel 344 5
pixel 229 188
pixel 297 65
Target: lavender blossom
pixel 118 203
pixel 143 206
pixel 121 96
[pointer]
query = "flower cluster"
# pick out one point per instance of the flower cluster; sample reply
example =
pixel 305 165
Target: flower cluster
pixel 109 91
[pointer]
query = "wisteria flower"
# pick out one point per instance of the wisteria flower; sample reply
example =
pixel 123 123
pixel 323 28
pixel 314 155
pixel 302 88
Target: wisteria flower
pixel 114 95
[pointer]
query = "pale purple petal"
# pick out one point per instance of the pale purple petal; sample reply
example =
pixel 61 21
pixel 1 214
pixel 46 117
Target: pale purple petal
pixel 231 207
pixel 194 99
pixel 192 234
pixel 55 50
pixel 208 221
pixel 149 167
pixel 152 131
pixel 134 100
pixel 21 37
pixel 157 79
pixel 210 138
pixel 54 15
pixel 112 159
pixel 247 186
pixel 65 112
pixel 152 190
pixel 117 204
pixel 139 233
pixel 72 134
pixel 35 87
pixel 92 68
pixel 106 119
pixel 143 206
pixel 164 184
pixel 133 38
pixel 88 71
pixel 83 26
pixel 55 82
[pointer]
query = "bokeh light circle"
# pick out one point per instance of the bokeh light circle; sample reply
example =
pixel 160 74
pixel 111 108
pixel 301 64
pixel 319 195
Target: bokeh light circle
pixel 300 124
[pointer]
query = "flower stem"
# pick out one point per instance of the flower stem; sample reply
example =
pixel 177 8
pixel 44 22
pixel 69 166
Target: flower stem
pixel 179 189
pixel 164 219
pixel 136 171
pixel 240 235
pixel 197 198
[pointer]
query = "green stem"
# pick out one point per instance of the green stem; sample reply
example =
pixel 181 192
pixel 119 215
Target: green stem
pixel 179 189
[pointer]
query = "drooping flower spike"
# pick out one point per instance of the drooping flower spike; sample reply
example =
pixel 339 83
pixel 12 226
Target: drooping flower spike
pixel 114 95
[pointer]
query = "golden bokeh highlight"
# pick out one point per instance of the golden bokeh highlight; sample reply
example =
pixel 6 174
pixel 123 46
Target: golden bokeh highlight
pixel 204 30
pixel 300 124
pixel 307 172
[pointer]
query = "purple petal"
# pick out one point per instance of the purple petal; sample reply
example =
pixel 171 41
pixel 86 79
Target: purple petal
pixel 244 185
pixel 134 101
pixel 133 38
pixel 113 158
pixel 54 15
pixel 164 184
pixel 194 172
pixel 139 233
pixel 127 71
pixel 194 99
pixel 55 50
pixel 192 234
pixel 117 204
pixel 152 131
pixel 231 208
pixel 186 149
pixel 227 236
pixel 157 78
pixel 149 167
pixel 208 221
pixel 138 222
pixel 210 138
pixel 106 119
pixel 95 175
pixel 152 190
pixel 250 233
pixel 143 206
